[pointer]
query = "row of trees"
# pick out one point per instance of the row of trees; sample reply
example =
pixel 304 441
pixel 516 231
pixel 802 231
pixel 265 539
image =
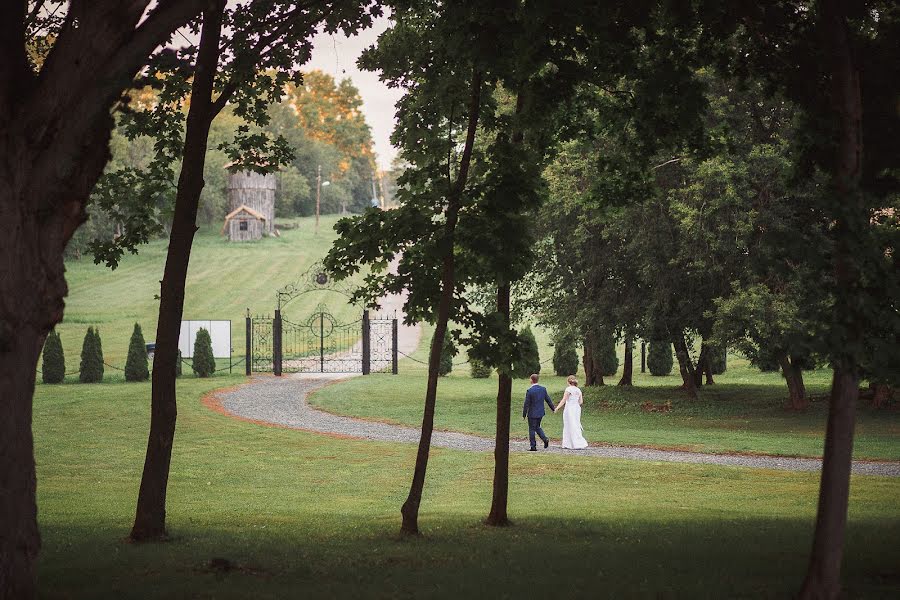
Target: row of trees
pixel 53 368
pixel 318 119
pixel 676 170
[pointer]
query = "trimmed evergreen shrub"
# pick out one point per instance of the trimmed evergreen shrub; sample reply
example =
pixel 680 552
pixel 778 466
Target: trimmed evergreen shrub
pixel 565 359
pixel 765 361
pixel 606 353
pixel 659 357
pixel 91 368
pixel 529 360
pixel 204 364
pixel 99 345
pixel 478 369
pixel 136 363
pixel 178 365
pixel 54 368
pixel 448 351
pixel 717 360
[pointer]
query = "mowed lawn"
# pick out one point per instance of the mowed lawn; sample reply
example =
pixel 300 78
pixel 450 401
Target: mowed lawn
pixel 224 280
pixel 743 412
pixel 304 515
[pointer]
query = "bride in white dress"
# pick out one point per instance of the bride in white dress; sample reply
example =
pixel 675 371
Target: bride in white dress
pixel 573 432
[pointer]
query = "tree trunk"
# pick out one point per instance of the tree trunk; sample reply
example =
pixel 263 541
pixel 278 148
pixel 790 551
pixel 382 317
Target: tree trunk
pixel 823 577
pixel 498 515
pixel 685 367
pixel 628 365
pixel 703 365
pixel 593 373
pixel 851 220
pixel 150 517
pixel 881 394
pixel 793 375
pixel 410 508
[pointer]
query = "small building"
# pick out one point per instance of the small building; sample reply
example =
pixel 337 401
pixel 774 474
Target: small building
pixel 251 202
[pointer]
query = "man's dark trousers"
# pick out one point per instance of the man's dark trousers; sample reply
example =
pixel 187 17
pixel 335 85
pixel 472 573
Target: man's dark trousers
pixel 534 426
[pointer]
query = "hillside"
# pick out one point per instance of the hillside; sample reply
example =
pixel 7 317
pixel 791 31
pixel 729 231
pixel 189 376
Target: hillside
pixel 224 280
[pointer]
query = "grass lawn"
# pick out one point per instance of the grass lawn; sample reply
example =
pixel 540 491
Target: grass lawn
pixel 743 412
pixel 224 280
pixel 304 515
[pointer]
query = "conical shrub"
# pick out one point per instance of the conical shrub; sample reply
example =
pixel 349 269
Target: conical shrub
pixel 529 359
pixel 565 359
pixel 448 351
pixel 91 368
pixel 659 357
pixel 136 363
pixel 204 364
pixel 178 365
pixel 478 369
pixel 717 360
pixel 606 353
pixel 53 369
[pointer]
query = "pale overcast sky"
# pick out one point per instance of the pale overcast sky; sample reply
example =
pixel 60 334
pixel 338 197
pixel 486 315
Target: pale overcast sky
pixel 336 55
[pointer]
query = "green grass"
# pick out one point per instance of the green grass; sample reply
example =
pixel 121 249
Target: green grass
pixel 312 516
pixel 743 412
pixel 224 280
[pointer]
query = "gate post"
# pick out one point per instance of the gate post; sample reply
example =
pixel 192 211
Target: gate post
pixel 321 342
pixel 248 352
pixel 276 343
pixel 643 356
pixel 394 346
pixel 366 344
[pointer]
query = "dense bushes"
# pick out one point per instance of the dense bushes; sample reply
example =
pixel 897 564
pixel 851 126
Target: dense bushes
pixel 136 363
pixel 659 357
pixel 529 360
pixel 54 367
pixel 448 351
pixel 565 359
pixel 606 354
pixel 91 368
pixel 204 364
pixel 178 365
pixel 478 369
pixel 717 360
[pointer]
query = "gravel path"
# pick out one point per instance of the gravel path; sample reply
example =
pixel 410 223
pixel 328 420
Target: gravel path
pixel 282 401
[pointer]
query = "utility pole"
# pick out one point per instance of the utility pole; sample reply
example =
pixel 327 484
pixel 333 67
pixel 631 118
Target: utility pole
pixel 318 194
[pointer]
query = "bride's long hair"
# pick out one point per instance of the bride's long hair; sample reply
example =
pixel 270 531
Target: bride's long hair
pixel 572 381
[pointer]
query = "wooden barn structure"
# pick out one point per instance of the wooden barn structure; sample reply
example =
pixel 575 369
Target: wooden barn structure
pixel 251 202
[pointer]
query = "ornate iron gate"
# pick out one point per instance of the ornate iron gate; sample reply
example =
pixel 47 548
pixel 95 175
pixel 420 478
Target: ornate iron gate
pixel 320 344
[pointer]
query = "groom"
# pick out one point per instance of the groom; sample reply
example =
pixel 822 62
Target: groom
pixel 533 410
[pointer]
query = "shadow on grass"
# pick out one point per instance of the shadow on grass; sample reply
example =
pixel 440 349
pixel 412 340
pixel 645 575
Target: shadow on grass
pixel 327 555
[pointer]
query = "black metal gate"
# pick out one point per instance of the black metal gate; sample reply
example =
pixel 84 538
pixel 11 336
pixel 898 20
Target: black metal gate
pixel 320 344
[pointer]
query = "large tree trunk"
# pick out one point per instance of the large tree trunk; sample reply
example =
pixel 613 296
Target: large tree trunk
pixel 685 366
pixel 628 366
pixel 54 144
pixel 593 373
pixel 793 375
pixel 410 508
pixel 498 514
pixel 150 517
pixel 851 219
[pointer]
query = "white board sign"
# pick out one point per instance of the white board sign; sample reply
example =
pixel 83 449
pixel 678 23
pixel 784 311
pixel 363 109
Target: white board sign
pixel 219 331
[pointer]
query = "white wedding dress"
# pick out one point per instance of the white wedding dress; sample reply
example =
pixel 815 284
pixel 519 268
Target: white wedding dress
pixel 573 433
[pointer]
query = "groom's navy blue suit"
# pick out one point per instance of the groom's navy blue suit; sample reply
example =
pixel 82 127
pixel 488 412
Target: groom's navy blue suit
pixel 533 410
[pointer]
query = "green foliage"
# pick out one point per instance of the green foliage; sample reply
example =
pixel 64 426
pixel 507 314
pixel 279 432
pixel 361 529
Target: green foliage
pixel 529 359
pixel 178 363
pixel 448 351
pixel 565 358
pixel 204 364
pixel 53 369
pixel 659 357
pixel 91 367
pixel 717 359
pixel 478 369
pixel 136 363
pixel 606 354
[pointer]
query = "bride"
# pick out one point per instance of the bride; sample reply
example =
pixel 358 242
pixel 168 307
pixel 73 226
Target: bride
pixel 572 431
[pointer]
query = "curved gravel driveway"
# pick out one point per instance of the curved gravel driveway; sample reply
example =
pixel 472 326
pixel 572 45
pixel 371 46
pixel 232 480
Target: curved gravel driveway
pixel 282 401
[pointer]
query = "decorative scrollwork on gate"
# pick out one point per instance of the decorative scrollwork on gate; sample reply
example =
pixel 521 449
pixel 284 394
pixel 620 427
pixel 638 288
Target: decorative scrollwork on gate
pixel 316 278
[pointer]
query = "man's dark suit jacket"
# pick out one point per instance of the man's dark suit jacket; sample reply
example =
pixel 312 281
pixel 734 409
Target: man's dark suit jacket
pixel 535 397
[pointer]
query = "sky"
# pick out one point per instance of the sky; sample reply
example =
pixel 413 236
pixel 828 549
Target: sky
pixel 336 55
